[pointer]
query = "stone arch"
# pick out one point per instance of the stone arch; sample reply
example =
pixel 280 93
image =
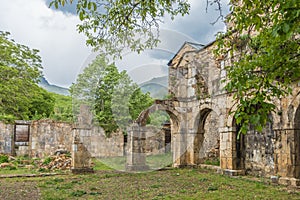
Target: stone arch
pixel 173 127
pixel 207 137
pixel 174 116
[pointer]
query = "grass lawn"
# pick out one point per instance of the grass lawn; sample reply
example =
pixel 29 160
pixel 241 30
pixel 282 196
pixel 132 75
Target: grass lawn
pixel 154 162
pixel 106 183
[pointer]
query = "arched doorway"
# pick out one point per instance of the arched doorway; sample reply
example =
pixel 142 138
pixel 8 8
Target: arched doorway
pixel 150 142
pixel 207 138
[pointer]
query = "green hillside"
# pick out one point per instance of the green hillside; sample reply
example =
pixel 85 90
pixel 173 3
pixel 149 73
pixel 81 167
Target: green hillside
pixel 157 87
pixel 53 88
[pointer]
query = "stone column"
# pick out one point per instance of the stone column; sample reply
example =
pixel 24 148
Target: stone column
pixel 136 156
pixel 81 158
pixel 228 154
pixel 287 162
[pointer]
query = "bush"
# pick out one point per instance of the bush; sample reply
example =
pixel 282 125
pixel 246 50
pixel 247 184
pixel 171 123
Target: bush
pixel 3 158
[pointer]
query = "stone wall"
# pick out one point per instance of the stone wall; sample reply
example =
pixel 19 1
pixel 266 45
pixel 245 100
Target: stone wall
pixel 155 141
pixel 259 151
pixel 6 136
pixel 98 144
pixel 205 117
pixel 47 136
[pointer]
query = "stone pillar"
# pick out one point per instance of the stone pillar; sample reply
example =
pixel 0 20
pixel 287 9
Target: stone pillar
pixel 181 153
pixel 81 158
pixel 228 154
pixel 136 156
pixel 287 157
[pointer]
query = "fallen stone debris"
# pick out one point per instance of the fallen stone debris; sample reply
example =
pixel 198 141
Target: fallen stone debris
pixel 56 162
pixel 59 161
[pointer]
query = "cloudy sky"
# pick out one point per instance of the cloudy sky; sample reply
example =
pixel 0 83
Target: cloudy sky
pixel 65 54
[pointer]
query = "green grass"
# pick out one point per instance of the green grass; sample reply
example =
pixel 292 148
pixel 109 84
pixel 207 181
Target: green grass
pixel 118 163
pixel 16 170
pixel 166 184
pixel 107 183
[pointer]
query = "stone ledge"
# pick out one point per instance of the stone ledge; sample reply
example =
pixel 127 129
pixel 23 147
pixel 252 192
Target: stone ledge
pixel 289 181
pixel 232 172
pixel 214 167
pixel 228 172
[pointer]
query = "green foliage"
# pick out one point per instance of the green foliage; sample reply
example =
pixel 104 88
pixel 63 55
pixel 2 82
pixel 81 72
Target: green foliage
pixel 158 118
pixel 138 102
pixel 263 49
pixel 47 161
pixel 3 158
pixel 20 96
pixel 63 110
pixel 115 100
pixel 119 24
pixel 213 161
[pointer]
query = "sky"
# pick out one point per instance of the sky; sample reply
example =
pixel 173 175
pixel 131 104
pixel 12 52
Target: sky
pixel 64 52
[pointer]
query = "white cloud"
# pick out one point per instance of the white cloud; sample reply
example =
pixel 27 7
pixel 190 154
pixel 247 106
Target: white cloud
pixel 32 23
pixel 64 52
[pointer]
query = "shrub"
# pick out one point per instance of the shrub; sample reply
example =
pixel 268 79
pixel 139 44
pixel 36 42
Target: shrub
pixel 3 158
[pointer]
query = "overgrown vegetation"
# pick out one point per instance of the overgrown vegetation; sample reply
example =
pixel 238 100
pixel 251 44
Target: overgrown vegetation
pixel 111 95
pixel 261 49
pixel 20 70
pixel 63 108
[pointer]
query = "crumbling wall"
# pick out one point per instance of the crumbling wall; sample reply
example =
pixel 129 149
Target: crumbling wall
pixel 47 136
pixel 155 140
pixel 98 144
pixel 6 136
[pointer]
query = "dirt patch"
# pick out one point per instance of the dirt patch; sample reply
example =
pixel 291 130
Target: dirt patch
pixel 12 190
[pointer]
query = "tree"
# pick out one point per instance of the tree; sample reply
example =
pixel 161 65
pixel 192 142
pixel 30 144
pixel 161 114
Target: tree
pixel 118 24
pixel 115 100
pixel 262 43
pixel 263 46
pixel 84 91
pixel 20 96
pixel 63 108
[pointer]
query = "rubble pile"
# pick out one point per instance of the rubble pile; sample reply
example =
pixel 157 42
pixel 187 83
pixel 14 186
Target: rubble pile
pixel 60 161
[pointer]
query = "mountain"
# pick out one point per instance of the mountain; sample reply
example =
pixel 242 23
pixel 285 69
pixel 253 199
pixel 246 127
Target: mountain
pixel 53 88
pixel 157 87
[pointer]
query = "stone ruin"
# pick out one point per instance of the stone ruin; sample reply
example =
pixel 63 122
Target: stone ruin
pixel 203 126
pixel 201 123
